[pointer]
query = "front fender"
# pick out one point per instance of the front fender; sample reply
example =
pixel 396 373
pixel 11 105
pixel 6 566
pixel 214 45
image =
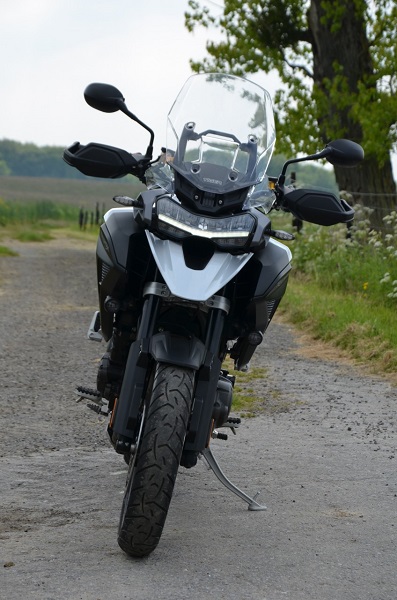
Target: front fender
pixel 174 349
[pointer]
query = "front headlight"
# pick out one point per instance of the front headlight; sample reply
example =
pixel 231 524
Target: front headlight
pixel 177 222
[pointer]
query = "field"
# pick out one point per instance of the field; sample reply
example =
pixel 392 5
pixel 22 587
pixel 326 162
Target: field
pixel 32 207
pixel 80 193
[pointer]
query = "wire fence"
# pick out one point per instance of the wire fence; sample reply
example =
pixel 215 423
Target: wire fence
pixel 90 218
pixel 377 205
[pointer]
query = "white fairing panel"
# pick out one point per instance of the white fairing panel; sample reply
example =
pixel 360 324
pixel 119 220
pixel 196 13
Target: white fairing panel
pixel 192 284
pixel 283 247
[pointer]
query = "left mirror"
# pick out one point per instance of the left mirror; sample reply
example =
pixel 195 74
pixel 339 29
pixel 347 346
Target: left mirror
pixel 104 97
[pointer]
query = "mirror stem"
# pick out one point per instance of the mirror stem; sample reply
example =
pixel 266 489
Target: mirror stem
pixel 322 154
pixel 124 109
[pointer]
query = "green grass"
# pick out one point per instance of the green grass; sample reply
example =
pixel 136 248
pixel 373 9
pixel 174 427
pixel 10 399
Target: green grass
pixel 14 212
pixel 253 395
pixel 34 221
pixel 344 290
pixel 74 232
pixel 5 251
pixel 352 322
pixel 246 401
pixel 29 235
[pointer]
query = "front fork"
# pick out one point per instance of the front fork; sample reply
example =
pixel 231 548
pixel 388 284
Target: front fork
pixel 203 357
pixel 207 379
pixel 125 415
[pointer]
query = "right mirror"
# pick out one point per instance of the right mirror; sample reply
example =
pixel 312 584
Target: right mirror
pixel 344 153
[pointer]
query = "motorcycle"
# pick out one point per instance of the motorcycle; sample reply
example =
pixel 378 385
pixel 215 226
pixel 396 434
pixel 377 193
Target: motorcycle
pixel 188 273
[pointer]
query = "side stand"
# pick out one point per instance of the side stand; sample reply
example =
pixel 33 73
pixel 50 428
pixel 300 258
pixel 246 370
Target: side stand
pixel 213 465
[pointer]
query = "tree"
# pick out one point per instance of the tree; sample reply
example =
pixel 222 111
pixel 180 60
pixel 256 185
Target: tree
pixel 4 168
pixel 337 60
pixel 29 160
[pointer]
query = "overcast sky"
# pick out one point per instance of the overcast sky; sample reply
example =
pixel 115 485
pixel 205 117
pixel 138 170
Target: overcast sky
pixel 51 50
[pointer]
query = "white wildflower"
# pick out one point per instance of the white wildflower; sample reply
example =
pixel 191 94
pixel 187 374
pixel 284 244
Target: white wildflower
pixel 386 278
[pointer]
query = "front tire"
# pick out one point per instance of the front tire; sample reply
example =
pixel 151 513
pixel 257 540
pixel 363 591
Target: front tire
pixel 154 464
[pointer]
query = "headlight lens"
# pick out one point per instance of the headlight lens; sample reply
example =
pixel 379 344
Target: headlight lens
pixel 176 221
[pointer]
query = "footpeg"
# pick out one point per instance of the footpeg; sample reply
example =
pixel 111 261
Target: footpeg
pixel 97 404
pixel 233 423
pixel 219 436
pixel 100 409
pixel 88 394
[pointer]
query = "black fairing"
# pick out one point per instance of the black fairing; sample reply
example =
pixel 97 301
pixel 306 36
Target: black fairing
pixel 322 208
pixel 123 261
pixel 259 288
pixel 207 202
pixel 256 288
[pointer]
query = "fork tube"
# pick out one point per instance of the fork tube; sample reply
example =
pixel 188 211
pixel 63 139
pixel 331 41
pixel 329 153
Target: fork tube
pixel 206 385
pixel 149 316
pixel 214 331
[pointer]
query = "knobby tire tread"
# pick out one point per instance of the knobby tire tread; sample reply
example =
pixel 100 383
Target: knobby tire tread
pixel 152 475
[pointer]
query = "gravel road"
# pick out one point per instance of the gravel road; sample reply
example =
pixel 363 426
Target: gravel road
pixel 323 453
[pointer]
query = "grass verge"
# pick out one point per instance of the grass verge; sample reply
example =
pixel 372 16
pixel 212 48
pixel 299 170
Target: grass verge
pixel 246 399
pixel 351 322
pixel 5 251
pixel 33 235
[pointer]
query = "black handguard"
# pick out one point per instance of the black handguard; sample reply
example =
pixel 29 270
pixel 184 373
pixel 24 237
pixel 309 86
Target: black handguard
pixel 100 160
pixel 313 206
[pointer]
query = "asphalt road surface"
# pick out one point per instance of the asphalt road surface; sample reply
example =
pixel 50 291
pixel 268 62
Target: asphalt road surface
pixel 323 454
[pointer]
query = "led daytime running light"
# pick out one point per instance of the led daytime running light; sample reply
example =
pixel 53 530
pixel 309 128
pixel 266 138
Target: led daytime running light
pixel 202 232
pixel 236 227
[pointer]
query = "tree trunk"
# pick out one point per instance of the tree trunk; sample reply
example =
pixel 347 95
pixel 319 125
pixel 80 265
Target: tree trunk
pixel 341 57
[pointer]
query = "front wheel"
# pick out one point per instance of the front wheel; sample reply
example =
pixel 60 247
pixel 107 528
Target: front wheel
pixel 154 464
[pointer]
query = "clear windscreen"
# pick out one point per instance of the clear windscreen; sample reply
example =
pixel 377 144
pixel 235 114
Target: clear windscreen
pixel 220 137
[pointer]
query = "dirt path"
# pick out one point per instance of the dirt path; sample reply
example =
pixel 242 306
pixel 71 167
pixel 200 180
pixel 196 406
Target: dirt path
pixel 323 454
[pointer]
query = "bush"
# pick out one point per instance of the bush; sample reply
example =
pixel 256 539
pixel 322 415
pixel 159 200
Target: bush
pixel 358 260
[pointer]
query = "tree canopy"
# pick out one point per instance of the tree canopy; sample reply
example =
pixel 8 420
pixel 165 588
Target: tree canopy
pixel 29 160
pixel 337 61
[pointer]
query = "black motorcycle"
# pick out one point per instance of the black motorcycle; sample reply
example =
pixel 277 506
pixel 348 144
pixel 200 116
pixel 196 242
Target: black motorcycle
pixel 189 272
